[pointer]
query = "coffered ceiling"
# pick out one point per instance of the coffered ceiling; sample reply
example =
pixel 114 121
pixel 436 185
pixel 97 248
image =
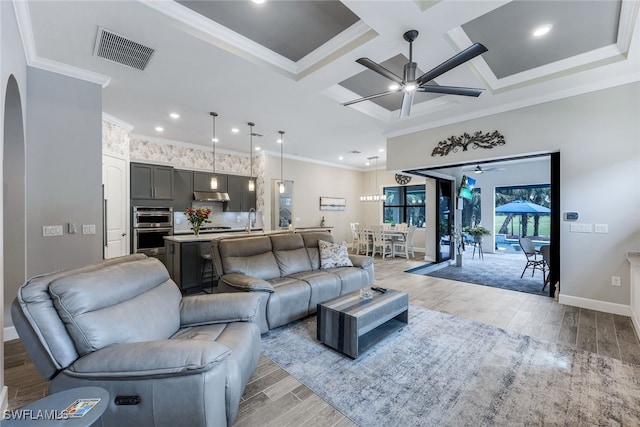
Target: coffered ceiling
pixel 288 65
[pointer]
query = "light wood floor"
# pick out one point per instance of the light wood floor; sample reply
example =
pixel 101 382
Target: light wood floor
pixel 274 398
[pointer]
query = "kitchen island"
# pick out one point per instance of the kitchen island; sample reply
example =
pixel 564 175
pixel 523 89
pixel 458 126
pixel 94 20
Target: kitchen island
pixel 183 257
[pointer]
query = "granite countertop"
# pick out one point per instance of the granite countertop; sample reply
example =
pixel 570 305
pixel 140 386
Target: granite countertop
pixel 206 237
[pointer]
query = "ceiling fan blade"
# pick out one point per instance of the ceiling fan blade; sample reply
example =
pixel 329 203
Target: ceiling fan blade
pixel 462 57
pixel 407 101
pixel 366 98
pixel 373 66
pixel 451 90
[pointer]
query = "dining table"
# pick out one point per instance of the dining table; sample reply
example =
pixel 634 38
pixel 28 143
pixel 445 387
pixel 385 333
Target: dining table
pixel 391 234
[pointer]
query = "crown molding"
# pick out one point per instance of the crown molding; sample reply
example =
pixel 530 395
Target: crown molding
pixel 117 122
pixel 25 27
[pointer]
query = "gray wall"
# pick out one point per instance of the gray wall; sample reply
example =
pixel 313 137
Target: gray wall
pixel 597 135
pixel 64 178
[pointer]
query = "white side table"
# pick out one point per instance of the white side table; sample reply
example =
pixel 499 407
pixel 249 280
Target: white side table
pixel 44 412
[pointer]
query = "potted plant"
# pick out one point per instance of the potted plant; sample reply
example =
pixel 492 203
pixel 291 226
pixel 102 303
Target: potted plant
pixel 477 232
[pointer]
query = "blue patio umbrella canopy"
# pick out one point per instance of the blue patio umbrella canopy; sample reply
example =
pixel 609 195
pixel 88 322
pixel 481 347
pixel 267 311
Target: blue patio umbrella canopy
pixel 523 207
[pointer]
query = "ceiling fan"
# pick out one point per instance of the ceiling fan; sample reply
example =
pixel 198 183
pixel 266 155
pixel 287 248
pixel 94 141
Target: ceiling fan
pixel 410 84
pixel 478 169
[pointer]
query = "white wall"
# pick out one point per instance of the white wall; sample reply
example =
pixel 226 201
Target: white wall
pixel 312 181
pixel 12 62
pixel 598 136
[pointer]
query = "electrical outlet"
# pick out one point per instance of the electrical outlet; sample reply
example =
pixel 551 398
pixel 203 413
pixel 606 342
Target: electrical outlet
pixel 615 281
pixel 51 230
pixel 580 228
pixel 88 229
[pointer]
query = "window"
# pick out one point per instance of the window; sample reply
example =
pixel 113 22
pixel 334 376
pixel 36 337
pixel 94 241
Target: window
pixel 405 204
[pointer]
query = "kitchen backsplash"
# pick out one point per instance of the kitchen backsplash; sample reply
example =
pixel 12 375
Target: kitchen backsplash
pixel 235 220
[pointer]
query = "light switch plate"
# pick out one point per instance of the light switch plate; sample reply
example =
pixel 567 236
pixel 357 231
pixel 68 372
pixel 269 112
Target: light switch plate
pixel 51 230
pixel 88 229
pixel 601 228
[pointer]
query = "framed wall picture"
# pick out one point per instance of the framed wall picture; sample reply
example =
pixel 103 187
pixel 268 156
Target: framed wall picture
pixel 333 203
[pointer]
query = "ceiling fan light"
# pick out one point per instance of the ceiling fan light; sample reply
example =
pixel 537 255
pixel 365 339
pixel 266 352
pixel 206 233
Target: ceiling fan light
pixel 410 87
pixel 394 86
pixel 478 169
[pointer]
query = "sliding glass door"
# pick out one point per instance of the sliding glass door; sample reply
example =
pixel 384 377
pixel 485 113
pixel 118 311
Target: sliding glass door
pixel 445 220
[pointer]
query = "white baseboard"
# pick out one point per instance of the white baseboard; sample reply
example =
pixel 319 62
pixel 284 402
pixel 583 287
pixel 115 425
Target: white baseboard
pixel 4 399
pixel 10 334
pixel 592 304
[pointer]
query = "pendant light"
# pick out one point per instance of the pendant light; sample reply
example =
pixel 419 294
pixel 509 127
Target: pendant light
pixel 374 197
pixel 281 142
pixel 252 182
pixel 214 139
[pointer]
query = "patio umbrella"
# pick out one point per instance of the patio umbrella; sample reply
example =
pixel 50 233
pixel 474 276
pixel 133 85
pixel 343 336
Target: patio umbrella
pixel 522 207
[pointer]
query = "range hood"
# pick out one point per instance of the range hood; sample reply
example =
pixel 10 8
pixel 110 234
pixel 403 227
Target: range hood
pixel 210 196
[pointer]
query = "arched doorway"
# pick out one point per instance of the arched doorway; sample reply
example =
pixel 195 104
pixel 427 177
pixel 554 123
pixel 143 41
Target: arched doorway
pixel 13 206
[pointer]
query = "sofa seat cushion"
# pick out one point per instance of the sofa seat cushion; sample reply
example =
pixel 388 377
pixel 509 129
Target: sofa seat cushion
pixel 89 303
pixel 288 302
pixel 324 286
pixel 351 278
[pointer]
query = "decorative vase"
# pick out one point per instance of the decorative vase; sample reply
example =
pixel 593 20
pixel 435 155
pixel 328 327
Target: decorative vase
pixel 196 229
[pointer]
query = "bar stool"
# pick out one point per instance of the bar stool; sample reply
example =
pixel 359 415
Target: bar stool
pixel 206 259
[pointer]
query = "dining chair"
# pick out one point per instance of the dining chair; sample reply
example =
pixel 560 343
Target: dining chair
pixel 363 240
pixel 534 259
pixel 386 226
pixel 354 235
pixel 401 227
pixel 381 244
pixel 402 247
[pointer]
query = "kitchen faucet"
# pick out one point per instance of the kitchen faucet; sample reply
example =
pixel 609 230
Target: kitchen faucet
pixel 249 223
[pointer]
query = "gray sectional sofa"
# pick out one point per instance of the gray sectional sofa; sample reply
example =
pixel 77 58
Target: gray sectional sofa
pixel 284 270
pixel 123 325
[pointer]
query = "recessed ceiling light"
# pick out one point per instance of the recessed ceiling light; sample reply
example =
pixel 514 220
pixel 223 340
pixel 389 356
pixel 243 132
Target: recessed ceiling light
pixel 174 115
pixel 215 140
pixel 257 148
pixel 542 30
pixel 235 130
pixel 340 158
pixel 258 1
pixel 381 150
pixel 394 86
pixel 367 163
pixel 159 129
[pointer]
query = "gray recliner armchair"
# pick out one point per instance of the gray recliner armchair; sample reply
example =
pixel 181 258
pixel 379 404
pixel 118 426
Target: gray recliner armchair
pixel 123 325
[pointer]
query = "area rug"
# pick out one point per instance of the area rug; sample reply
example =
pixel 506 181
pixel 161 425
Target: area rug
pixel 495 270
pixel 441 370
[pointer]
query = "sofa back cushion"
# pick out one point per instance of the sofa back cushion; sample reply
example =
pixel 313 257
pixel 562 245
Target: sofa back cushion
pixel 122 303
pixel 41 329
pixel 311 244
pixel 252 256
pixel 290 253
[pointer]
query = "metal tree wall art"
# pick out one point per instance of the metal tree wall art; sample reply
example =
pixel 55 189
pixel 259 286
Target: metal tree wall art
pixel 478 140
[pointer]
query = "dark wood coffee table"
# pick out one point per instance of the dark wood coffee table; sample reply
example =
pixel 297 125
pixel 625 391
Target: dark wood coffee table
pixel 353 325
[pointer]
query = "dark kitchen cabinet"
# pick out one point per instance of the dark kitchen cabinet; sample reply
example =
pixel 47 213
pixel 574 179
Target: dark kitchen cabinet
pixel 151 182
pixel 184 264
pixel 202 182
pixel 182 189
pixel 241 198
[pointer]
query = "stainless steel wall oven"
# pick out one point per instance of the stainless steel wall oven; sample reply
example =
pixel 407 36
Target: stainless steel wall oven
pixel 150 226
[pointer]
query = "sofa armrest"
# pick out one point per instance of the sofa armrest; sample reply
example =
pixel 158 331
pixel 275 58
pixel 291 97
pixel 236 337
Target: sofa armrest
pixel 150 359
pixel 361 261
pixel 218 308
pixel 246 283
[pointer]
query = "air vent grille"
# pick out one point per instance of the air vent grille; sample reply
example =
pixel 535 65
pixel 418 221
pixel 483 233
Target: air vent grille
pixel 117 48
